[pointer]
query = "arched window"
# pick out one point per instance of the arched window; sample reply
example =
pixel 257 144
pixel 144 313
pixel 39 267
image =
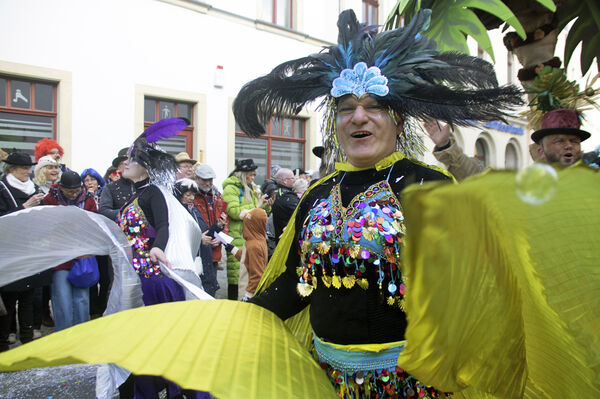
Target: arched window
pixel 482 151
pixel 511 157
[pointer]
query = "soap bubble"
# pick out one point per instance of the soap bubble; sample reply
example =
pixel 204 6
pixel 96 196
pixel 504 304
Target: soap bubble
pixel 536 184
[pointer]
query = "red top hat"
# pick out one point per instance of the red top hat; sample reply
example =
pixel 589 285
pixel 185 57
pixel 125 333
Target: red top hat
pixel 560 121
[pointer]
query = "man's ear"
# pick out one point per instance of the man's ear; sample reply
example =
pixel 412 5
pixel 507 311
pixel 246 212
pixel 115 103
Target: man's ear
pixel 540 151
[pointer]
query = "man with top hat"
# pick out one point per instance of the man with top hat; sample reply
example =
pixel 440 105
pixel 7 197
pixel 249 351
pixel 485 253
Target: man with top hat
pixel 185 165
pixel 560 138
pixel 115 194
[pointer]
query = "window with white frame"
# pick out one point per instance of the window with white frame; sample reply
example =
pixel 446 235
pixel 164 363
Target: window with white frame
pixel 279 12
pixel 156 109
pixel 28 112
pixel 370 9
pixel 283 144
pixel 482 151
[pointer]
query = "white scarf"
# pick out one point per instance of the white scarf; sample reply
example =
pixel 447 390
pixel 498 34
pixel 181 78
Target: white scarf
pixel 27 187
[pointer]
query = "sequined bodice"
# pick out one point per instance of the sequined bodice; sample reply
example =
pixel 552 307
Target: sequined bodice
pixel 339 244
pixel 138 231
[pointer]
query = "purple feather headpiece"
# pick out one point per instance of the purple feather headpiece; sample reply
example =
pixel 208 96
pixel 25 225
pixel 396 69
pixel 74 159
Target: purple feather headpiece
pixel 160 165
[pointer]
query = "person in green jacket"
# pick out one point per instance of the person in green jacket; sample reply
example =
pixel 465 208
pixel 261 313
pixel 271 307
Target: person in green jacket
pixel 241 195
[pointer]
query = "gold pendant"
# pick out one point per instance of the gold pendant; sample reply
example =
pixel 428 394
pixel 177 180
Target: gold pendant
pixel 323 248
pixel 402 305
pixel 304 289
pixel 299 271
pixel 336 281
pixel 326 280
pixel 390 300
pixel 354 251
pixel 314 282
pixel 349 281
pixel 363 283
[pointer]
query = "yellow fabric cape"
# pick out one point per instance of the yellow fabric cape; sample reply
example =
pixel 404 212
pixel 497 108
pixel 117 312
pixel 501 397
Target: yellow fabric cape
pixel 230 349
pixel 504 296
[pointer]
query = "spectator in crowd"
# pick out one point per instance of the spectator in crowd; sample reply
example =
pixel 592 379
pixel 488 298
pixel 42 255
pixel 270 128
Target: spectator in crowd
pixel 241 195
pixel 253 254
pixel 300 186
pixel 111 174
pixel 118 192
pixel 449 153
pixel 46 173
pixel 49 147
pixel 270 185
pixel 285 200
pixel 560 137
pixel 211 205
pixel 185 165
pixel 93 183
pixel 17 192
pixel 186 191
pixel 300 173
pixel 70 304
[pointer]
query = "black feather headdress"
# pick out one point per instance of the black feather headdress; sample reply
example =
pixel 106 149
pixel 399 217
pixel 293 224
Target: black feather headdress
pixel 161 166
pixel 401 68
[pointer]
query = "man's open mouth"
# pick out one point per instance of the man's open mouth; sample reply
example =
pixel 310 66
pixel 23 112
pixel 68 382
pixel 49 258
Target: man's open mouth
pixel 360 135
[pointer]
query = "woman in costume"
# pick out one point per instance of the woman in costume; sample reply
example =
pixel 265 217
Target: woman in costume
pixel 344 245
pixel 149 220
pixel 241 195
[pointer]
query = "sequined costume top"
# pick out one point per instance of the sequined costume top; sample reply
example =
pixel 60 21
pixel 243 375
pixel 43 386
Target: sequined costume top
pixel 345 260
pixel 144 221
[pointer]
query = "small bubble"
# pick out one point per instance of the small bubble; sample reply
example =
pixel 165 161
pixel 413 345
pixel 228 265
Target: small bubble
pixel 536 184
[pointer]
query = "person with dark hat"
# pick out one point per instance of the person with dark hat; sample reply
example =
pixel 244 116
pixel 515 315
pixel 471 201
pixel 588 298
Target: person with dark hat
pixel 17 192
pixel 241 195
pixel 560 137
pixel 555 112
pixel 115 194
pixel 70 304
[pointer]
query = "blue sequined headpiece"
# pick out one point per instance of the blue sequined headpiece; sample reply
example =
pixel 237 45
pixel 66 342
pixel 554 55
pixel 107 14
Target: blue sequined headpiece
pixel 360 81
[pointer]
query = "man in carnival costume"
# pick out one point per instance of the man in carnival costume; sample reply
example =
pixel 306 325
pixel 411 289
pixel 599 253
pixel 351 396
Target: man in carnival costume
pixel 341 252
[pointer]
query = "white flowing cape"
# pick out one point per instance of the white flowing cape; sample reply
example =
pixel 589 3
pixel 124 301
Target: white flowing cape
pixel 39 238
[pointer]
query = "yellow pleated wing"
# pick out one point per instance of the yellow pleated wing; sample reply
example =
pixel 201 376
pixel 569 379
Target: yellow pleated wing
pixel 504 296
pixel 230 349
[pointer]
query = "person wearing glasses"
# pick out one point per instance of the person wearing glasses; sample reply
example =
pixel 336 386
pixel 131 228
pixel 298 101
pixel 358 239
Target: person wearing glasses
pixel 285 202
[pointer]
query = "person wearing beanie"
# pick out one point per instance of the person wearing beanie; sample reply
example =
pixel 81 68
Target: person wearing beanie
pixel 46 173
pixel 70 304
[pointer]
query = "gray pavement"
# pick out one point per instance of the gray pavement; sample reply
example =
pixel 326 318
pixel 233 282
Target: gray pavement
pixel 65 382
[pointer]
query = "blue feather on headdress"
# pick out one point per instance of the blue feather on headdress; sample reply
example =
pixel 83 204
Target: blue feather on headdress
pixel 165 128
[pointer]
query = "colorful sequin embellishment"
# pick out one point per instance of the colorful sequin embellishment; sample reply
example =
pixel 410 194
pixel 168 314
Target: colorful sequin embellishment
pixel 338 245
pixel 134 224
